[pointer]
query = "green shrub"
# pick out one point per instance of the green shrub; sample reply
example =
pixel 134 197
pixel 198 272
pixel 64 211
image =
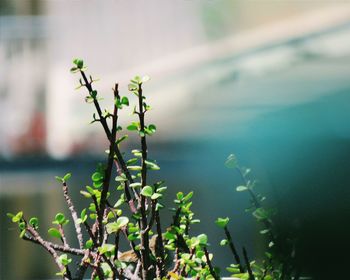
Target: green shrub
pixel 155 251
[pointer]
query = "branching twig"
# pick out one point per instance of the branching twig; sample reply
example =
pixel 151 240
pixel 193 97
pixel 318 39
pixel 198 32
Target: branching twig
pixel 57 247
pixel 48 248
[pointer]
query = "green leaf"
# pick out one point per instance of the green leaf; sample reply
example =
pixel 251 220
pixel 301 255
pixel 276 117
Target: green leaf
pixel 116 226
pixel 62 273
pixel 63 259
pixel 161 189
pixel 231 161
pixel 119 202
pixel 132 127
pixel 203 239
pixel 122 221
pixel 133 87
pixel 159 206
pixel 89 99
pixel 261 214
pixel 23 232
pixel 93 216
pixel 151 165
pixel 34 222
pixel 147 191
pixel 85 194
pixel 187 197
pixel 195 221
pixel 67 177
pixel 223 242
pixel 112 227
pixel 121 139
pixel 10 215
pixel 125 101
pixel 222 222
pixel 74 69
pixel 18 217
pixel 60 218
pixel 134 167
pixel 169 236
pixel 132 161
pixel 152 127
pixel 241 188
pixel 145 79
pixel 135 185
pixel 83 215
pixel 137 153
pixel 22 225
pixel 142 133
pixel 91 190
pixel 78 62
pixel 132 237
pixel 93 94
pixel 89 244
pixel 121 178
pixel 156 196
pixel 54 232
pixel 59 179
pixel 97 177
pixel 233 270
pixel 180 195
pixel 137 80
pixel 120 264
pixel 106 248
pixel 264 231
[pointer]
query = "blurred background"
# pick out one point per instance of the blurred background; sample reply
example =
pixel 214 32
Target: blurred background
pixel 266 80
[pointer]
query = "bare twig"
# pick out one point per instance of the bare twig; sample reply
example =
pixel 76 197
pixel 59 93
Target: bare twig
pixel 74 215
pixel 63 236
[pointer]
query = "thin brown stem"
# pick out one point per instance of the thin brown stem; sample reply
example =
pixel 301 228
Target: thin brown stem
pixel 145 250
pixel 129 199
pixel 211 269
pixel 233 249
pixel 63 236
pixel 73 214
pixel 132 244
pixel 257 204
pixel 108 170
pixel 160 254
pixel 247 263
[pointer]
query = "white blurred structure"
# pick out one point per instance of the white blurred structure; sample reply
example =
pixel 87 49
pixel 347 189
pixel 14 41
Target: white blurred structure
pixel 119 39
